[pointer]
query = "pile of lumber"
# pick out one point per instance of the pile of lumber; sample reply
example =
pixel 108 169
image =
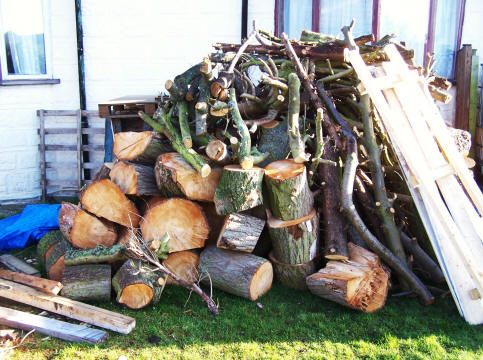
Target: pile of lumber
pixel 242 179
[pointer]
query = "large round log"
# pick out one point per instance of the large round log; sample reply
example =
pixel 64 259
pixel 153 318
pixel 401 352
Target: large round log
pixel 140 147
pixel 182 219
pixel 134 179
pixel 54 262
pixel 274 141
pixel 184 264
pixel 238 189
pixel 175 177
pixel 360 283
pixel 240 232
pixel 87 282
pixel 295 244
pixel 136 285
pixel 293 275
pixel 84 230
pixel 46 244
pixel 237 273
pixel 105 199
pixel 288 191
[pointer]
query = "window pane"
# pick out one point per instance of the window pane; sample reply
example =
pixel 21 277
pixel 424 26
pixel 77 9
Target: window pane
pixel 408 20
pixel 447 17
pixel 22 24
pixel 297 16
pixel 335 14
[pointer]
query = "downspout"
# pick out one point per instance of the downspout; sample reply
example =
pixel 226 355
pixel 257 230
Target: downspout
pixel 244 20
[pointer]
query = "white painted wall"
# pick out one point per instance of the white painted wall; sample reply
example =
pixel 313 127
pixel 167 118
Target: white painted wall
pixel 19 156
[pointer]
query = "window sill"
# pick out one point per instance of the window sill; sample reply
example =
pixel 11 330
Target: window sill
pixel 29 82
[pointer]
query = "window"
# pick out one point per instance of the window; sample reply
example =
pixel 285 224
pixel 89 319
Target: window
pixel 24 40
pixel 414 21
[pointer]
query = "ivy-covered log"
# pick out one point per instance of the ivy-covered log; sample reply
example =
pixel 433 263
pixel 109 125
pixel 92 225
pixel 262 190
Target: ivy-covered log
pixel 240 232
pixel 293 275
pixel 83 230
pixel 54 262
pixel 297 243
pixel 140 147
pixel 241 274
pixel 87 282
pixel 184 264
pixel 46 244
pixel 134 179
pixel 274 141
pixel 238 189
pixel 175 177
pixel 98 255
pixel 137 285
pixel 288 191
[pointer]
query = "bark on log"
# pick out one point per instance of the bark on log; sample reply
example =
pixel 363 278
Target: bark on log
pixel 184 264
pixel 288 191
pixel 360 283
pixel 274 141
pixel 98 255
pixel 296 244
pixel 240 232
pixel 175 177
pixel 103 172
pixel 105 199
pixel 46 244
pixel 140 147
pixel 238 189
pixel 215 221
pixel 182 219
pixel 83 230
pixel 54 262
pixel 137 285
pixel 240 274
pixel 134 179
pixel 87 282
pixel 293 275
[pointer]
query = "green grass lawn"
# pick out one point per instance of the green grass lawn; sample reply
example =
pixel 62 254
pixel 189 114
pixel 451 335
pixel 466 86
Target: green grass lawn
pixel 292 325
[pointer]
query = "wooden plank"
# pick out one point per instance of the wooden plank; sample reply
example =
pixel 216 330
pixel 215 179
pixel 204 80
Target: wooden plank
pixel 43 172
pixel 74 148
pixel 67 307
pixel 15 264
pixel 79 150
pixel 49 286
pixel 51 327
pixel 65 164
pixel 71 183
pixel 473 117
pixel 87 113
pixel 71 131
pixel 463 80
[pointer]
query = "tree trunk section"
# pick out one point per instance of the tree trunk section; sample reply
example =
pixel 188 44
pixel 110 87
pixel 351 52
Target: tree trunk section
pixel 54 262
pixel 105 199
pixel 175 177
pixel 240 232
pixel 87 282
pixel 103 172
pixel 83 230
pixel 182 219
pixel 296 244
pixel 98 255
pixel 134 179
pixel 237 273
pixel 46 244
pixel 293 275
pixel 274 141
pixel 217 151
pixel 183 264
pixel 288 191
pixel 140 147
pixel 238 189
pixel 360 283
pixel 136 285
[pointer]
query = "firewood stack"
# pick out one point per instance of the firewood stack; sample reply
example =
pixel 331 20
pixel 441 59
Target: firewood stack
pixel 252 137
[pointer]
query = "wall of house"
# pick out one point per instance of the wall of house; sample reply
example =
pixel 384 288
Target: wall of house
pixel 19 156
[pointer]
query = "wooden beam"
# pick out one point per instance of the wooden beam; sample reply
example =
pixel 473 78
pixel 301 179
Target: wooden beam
pixel 376 19
pixel 316 15
pixel 15 264
pixel 48 286
pixel 51 327
pixel 473 118
pixel 463 80
pixel 278 18
pixel 429 45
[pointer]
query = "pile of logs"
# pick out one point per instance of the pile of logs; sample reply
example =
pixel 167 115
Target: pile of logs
pixel 242 178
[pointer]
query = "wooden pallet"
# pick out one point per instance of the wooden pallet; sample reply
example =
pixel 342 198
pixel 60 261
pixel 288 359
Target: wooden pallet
pixel 79 148
pixel 448 200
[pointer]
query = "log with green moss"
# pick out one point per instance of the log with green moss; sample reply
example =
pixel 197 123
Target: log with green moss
pixel 87 282
pixel 293 275
pixel 184 125
pixel 275 142
pixel 54 261
pixel 46 244
pixel 244 156
pixel 98 255
pixel 297 144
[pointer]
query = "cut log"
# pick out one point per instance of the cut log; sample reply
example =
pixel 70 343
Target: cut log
pixel 105 199
pixel 103 172
pixel 137 285
pixel 288 191
pixel 46 244
pixel 126 234
pixel 293 275
pixel 217 151
pixel 87 282
pixel 140 147
pixel 15 264
pixel 240 232
pixel 134 179
pixel 183 264
pixel 49 286
pixel 274 141
pixel 54 262
pixel 175 177
pixel 360 283
pixel 296 244
pixel 83 230
pixel 215 222
pixel 237 273
pixel 182 219
pixel 98 255
pixel 238 189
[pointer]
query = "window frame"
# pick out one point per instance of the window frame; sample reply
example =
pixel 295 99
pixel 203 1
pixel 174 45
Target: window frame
pixel 17 79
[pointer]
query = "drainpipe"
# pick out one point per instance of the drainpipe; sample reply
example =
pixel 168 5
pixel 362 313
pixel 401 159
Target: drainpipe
pixel 244 20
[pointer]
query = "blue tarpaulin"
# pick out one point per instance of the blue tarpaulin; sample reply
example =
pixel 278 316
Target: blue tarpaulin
pixel 25 229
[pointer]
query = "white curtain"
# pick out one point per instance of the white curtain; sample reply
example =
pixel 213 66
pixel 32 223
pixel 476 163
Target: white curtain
pixel 335 14
pixel 25 54
pixel 297 16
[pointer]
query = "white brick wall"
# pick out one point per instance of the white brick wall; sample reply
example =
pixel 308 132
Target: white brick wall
pixel 19 157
